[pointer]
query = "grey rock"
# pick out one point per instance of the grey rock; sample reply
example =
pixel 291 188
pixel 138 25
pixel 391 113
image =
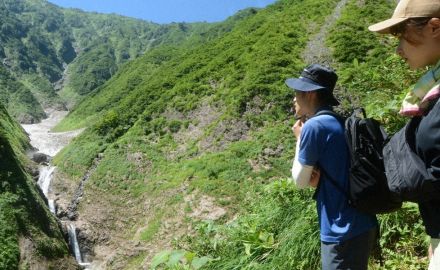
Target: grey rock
pixel 41 158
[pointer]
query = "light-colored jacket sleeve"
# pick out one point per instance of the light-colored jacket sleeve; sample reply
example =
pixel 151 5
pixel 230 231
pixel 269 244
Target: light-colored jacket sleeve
pixel 301 174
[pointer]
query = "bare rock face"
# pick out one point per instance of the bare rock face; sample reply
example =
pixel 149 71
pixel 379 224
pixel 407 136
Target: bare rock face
pixel 85 240
pixel 26 119
pixel 269 152
pixel 41 158
pixel 86 243
pixel 205 208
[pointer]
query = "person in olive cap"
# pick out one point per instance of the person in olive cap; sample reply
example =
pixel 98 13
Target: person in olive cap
pixel 347 236
pixel 416 23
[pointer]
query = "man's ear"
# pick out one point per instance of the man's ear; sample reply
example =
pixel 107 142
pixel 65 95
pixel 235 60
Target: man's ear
pixel 434 25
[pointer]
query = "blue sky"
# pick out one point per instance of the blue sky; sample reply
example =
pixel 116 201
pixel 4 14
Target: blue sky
pixel 166 11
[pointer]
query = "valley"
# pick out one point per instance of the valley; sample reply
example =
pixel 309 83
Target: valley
pixel 177 146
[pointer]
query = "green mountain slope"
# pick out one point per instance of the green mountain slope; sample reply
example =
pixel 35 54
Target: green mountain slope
pixel 108 41
pixel 104 42
pixel 193 145
pixel 232 71
pixel 46 49
pixel 206 122
pixel 30 59
pixel 29 235
pixel 19 100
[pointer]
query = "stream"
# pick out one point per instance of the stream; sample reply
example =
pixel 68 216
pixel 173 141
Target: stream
pixel 50 143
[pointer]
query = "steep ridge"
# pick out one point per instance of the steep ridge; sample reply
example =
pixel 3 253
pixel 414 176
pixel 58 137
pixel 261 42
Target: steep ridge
pixel 30 237
pixel 33 52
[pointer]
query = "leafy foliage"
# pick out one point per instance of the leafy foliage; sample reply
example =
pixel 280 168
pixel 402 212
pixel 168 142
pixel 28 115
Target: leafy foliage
pixel 278 231
pixel 179 259
pixel 370 74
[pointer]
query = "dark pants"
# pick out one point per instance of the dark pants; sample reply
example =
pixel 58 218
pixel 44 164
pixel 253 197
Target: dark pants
pixel 348 255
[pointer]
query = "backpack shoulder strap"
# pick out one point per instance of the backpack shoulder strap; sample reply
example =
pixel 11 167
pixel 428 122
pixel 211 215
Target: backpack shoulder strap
pixel 335 183
pixel 339 117
pixel 328 112
pixel 329 177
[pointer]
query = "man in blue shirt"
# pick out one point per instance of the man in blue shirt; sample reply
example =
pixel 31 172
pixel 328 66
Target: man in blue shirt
pixel 347 236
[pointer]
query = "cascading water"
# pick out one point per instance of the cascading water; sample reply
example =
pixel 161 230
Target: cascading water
pixel 52 207
pixel 45 178
pixel 50 144
pixel 74 242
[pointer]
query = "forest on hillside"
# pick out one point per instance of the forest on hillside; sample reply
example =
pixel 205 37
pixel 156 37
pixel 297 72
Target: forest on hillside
pixel 53 57
pixel 187 145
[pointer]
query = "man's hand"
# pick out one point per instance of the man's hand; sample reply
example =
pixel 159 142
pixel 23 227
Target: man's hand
pixel 297 128
pixel 314 178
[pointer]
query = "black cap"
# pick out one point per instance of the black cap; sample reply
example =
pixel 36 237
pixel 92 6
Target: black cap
pixel 315 77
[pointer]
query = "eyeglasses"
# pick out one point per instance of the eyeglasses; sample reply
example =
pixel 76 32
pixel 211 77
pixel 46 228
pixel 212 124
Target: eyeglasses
pixel 399 30
pixel 417 23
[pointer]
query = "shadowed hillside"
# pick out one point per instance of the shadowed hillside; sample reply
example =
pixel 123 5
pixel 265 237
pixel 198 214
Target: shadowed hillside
pixel 30 237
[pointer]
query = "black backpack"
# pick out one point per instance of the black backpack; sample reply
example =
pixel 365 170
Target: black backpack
pixel 368 188
pixel 408 174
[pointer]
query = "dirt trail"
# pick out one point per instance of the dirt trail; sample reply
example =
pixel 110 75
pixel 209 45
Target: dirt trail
pixel 316 51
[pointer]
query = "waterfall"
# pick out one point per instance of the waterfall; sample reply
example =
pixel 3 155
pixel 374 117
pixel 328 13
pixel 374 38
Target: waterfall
pixel 45 178
pixel 74 242
pixel 52 208
pixel 50 143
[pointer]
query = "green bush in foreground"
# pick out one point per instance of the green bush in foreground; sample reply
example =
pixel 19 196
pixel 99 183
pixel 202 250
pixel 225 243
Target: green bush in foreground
pixel 280 231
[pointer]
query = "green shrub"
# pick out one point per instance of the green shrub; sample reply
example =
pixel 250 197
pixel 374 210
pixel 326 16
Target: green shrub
pixel 279 231
pixel 51 248
pixel 9 250
pixel 174 126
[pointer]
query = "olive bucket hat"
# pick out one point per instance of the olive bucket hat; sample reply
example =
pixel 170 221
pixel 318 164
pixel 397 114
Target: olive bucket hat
pixel 407 9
